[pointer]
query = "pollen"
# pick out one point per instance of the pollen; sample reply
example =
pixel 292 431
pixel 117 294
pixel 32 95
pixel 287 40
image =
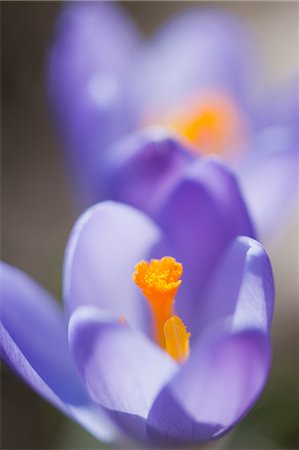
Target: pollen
pixel 177 339
pixel 159 281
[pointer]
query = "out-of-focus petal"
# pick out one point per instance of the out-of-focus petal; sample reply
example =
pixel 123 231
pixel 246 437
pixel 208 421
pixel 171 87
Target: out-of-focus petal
pixel 34 343
pixel 194 51
pixel 270 183
pixel 142 169
pixel 122 369
pixel 269 175
pixel 202 216
pixel 217 386
pixel 106 243
pixel 269 172
pixel 88 68
pixel 280 108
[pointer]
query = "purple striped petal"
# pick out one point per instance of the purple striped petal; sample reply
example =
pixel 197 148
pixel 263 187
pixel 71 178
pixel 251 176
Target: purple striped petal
pixel 34 344
pixel 106 243
pixel 122 369
pixel 202 216
pixel 88 68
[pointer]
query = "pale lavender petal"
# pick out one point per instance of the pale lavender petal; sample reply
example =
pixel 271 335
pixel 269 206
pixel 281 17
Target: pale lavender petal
pixel 13 356
pixel 122 369
pixel 34 344
pixel 88 69
pixel 230 359
pixel 269 171
pixel 217 386
pixel 107 242
pixel 35 323
pixel 202 216
pixel 241 288
pixel 142 169
pixel 269 180
pixel 195 51
pixel 280 108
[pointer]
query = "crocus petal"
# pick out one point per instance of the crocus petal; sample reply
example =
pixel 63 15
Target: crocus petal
pixel 203 214
pixel 88 67
pixel 105 245
pixel 269 180
pixel 246 295
pixel 34 343
pixel 229 361
pixel 280 108
pixel 141 170
pixel 122 369
pixel 213 54
pixel 269 172
pixel 217 386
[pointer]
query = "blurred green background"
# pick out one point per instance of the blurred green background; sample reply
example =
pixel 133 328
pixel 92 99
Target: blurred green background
pixel 37 215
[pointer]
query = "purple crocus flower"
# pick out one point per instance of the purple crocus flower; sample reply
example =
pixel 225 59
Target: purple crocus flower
pixel 127 384
pixel 196 77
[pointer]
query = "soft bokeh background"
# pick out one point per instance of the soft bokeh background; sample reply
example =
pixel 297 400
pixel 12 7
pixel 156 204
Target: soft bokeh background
pixel 37 214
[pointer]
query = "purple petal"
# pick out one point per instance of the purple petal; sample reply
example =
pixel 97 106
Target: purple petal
pixel 269 174
pixel 122 369
pixel 229 361
pixel 270 186
pixel 217 386
pixel 35 323
pixel 273 204
pixel 213 54
pixel 106 243
pixel 141 170
pixel 203 215
pixel 280 108
pixel 241 288
pixel 88 68
pixel 34 344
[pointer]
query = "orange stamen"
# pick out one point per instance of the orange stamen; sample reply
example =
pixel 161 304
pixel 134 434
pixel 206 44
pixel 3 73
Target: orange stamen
pixel 177 339
pixel 159 281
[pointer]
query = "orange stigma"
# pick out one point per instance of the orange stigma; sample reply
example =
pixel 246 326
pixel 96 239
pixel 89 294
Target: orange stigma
pixel 159 281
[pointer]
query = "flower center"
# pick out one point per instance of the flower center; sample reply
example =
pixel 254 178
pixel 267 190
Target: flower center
pixel 212 123
pixel 159 281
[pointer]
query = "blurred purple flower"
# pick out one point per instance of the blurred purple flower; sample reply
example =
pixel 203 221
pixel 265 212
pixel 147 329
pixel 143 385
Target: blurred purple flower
pixel 128 386
pixel 197 76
